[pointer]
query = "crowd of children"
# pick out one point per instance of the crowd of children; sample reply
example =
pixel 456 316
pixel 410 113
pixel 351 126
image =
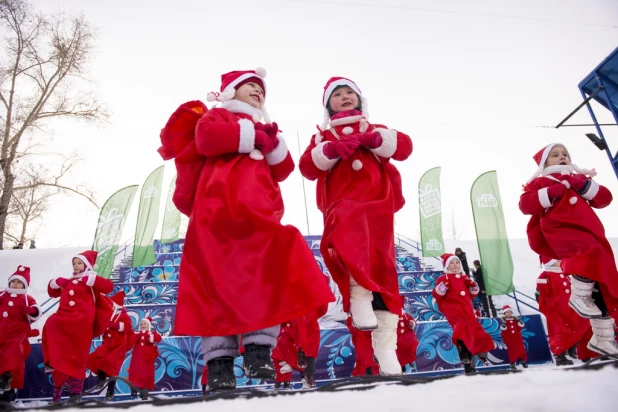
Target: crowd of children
pixel 247 280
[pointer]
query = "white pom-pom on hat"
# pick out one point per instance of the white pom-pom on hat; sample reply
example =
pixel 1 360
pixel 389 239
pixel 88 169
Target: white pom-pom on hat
pixel 21 269
pixel 260 71
pixel 211 97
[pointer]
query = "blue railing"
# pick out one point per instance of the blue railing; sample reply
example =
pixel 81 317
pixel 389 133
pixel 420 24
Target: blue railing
pixel 518 300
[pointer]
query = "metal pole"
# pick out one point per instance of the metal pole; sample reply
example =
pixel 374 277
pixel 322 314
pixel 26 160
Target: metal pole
pixel 303 182
pixel 516 301
pixel 592 96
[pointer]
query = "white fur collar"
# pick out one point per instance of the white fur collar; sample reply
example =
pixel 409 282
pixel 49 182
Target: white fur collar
pixel 345 120
pixel 562 169
pixel 16 291
pixel 236 106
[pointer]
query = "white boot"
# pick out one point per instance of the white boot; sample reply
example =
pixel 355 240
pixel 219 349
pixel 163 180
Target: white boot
pixel 603 340
pixel 384 340
pixel 361 310
pixel 581 299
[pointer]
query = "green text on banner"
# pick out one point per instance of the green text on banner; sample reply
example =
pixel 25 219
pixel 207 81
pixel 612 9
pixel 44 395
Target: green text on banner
pixel 171 218
pixel 430 211
pixel 109 229
pixel 147 219
pixel 493 241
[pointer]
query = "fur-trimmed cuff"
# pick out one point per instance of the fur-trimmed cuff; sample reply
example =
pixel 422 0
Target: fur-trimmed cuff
pixel 247 136
pixel 120 327
pixel 38 314
pixel 441 289
pixel 389 143
pixel 319 158
pixel 503 326
pixel 541 281
pixel 592 191
pixel 90 279
pixel 53 284
pixel 474 289
pixel 279 154
pixel 151 338
pixel 544 198
pixel 521 324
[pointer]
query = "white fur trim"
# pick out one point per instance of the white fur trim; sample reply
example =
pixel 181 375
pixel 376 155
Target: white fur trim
pixel 91 279
pixel 345 120
pixel 319 158
pixel 247 136
pixel 593 190
pixel 541 281
pixel 448 262
pixel 347 130
pixel 357 165
pixel 19 277
pixel 591 173
pixel 544 198
pixel 83 259
pixel 38 315
pixel 364 125
pixel 318 138
pixel 236 106
pixel 325 119
pixel 53 284
pixel 365 107
pixel 16 291
pixel 389 142
pixel 337 83
pixel 562 169
pixel 120 327
pixel 265 115
pixel 573 200
pixel 232 86
pixel 279 154
pixel 151 338
pixel 566 184
pixel 211 97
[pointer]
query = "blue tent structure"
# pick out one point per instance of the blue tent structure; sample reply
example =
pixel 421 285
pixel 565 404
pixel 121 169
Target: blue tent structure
pixel 602 86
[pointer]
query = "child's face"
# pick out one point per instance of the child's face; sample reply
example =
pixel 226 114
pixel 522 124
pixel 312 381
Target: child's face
pixel 78 265
pixel 508 313
pixel 144 325
pixel 17 284
pixel 454 266
pixel 342 99
pixel 558 156
pixel 251 93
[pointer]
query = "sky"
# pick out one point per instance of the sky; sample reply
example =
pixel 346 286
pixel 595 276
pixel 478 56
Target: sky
pixel 477 85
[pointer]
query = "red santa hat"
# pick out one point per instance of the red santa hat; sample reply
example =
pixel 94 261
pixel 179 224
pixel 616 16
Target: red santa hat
pixel 89 257
pixel 118 298
pixel 22 274
pixel 506 308
pixel 233 80
pixel 446 260
pixel 149 320
pixel 541 157
pixel 329 88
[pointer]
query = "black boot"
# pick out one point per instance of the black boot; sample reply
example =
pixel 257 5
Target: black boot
pixel 257 362
pixel 143 393
pixel 221 374
pixel 5 382
pixel 302 359
pixel 561 360
pixel 102 378
pixel 74 398
pixel 513 367
pixel 308 377
pixel 110 391
pixel 469 369
pixel 524 364
pixel 277 385
pixel 464 354
pixel 287 385
pixel 572 352
pixel 369 371
pixel 8 396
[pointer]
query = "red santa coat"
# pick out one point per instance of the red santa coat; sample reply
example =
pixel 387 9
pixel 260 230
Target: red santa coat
pixel 564 326
pixel 407 343
pixel 110 356
pixel 68 333
pixel 292 336
pixel 241 269
pixel 456 306
pixel 145 352
pixel 14 332
pixel 567 229
pixel 361 339
pixel 512 338
pixel 358 197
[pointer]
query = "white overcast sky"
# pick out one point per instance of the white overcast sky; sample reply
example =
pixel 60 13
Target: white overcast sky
pixel 471 82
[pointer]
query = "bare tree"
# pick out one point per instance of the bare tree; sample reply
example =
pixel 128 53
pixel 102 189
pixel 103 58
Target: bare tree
pixel 454 225
pixel 41 77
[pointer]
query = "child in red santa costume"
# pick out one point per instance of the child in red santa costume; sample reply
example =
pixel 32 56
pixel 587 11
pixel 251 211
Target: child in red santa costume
pixel 289 355
pixel 358 192
pixel 560 197
pixel 145 352
pixel 17 311
pixel 510 328
pixel 566 329
pixel 68 333
pixel 453 293
pixel 118 339
pixel 243 272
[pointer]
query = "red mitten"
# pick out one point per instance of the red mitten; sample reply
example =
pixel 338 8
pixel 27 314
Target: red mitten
pixel 470 283
pixel 30 310
pixel 333 150
pixel 577 182
pixel 62 282
pixel 34 333
pixel 114 325
pixel 556 191
pixel 371 140
pixel 271 129
pixel 263 142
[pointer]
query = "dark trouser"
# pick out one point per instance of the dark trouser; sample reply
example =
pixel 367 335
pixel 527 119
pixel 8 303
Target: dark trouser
pixel 111 386
pixel 378 302
pixel 488 305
